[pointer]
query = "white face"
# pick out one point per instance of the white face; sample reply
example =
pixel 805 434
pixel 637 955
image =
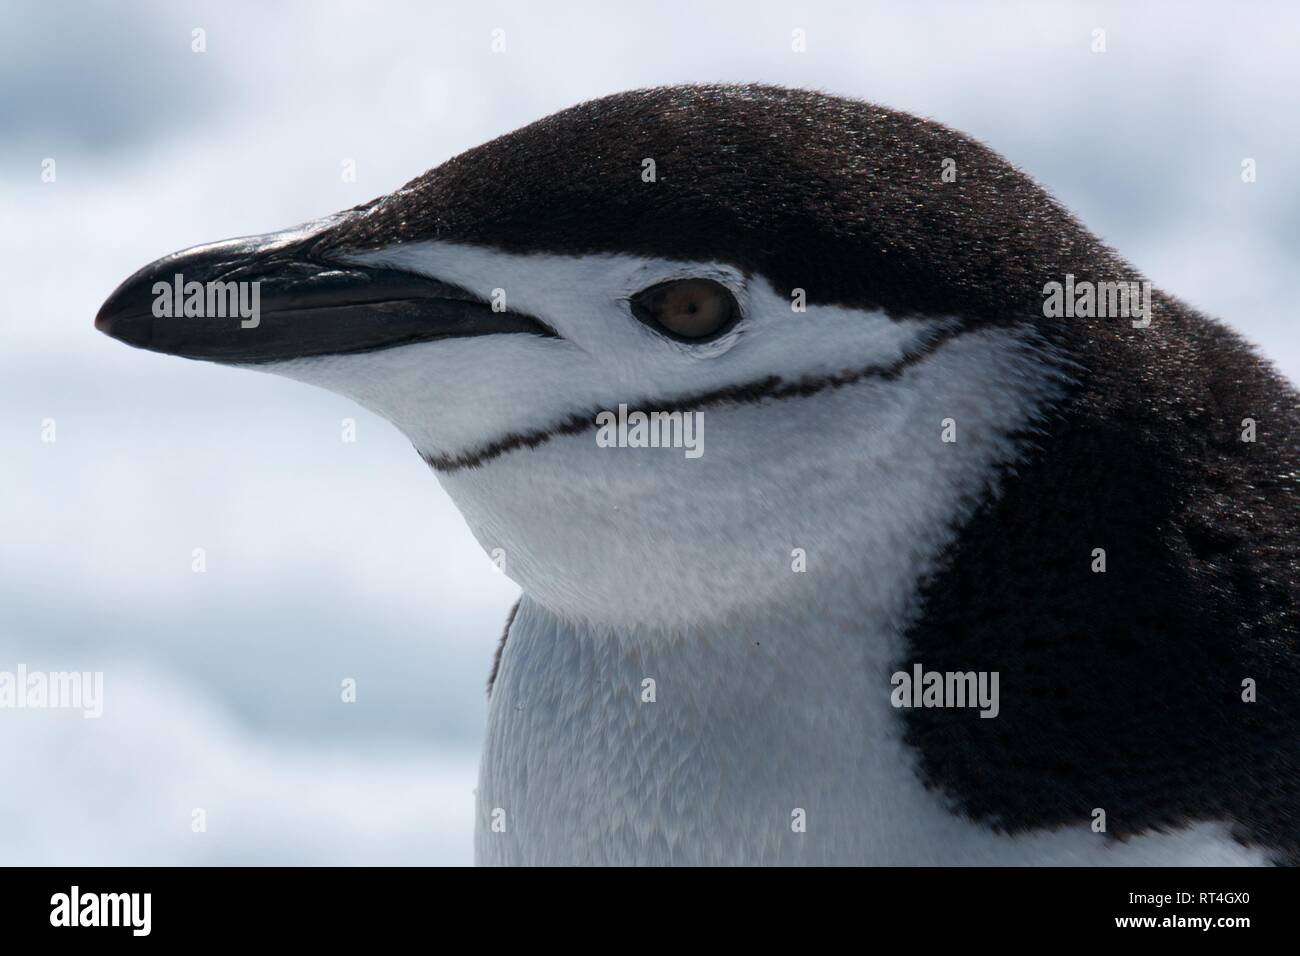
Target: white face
pixel 592 530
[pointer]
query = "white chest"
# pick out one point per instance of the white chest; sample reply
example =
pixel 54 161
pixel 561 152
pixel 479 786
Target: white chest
pixel 757 746
pixel 704 749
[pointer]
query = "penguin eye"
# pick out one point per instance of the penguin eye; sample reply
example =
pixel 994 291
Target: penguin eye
pixel 690 310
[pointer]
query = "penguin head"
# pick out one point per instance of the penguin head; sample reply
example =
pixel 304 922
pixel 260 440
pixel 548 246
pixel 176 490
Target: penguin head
pixel 795 291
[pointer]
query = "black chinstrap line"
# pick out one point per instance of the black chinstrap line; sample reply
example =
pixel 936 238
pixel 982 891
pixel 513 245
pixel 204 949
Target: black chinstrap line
pixel 771 387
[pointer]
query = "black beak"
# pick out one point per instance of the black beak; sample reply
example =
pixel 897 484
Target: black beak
pixel 270 298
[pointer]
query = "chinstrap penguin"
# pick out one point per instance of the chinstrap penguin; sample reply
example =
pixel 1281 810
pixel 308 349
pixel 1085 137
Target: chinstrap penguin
pixel 917 467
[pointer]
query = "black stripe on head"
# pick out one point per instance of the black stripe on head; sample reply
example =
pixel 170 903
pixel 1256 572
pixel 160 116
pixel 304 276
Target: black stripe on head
pixel 771 388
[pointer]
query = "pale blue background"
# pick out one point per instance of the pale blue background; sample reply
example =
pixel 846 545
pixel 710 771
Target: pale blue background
pixel 330 560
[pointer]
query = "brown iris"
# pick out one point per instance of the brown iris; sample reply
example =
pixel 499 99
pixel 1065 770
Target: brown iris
pixel 687 309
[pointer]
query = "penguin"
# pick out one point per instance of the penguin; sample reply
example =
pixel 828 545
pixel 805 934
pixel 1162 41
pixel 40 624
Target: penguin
pixel 966 559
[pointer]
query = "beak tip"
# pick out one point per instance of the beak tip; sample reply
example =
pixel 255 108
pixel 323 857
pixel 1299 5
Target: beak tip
pixel 119 322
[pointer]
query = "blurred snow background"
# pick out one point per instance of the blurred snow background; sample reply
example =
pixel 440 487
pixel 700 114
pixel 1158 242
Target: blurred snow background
pixel 329 560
